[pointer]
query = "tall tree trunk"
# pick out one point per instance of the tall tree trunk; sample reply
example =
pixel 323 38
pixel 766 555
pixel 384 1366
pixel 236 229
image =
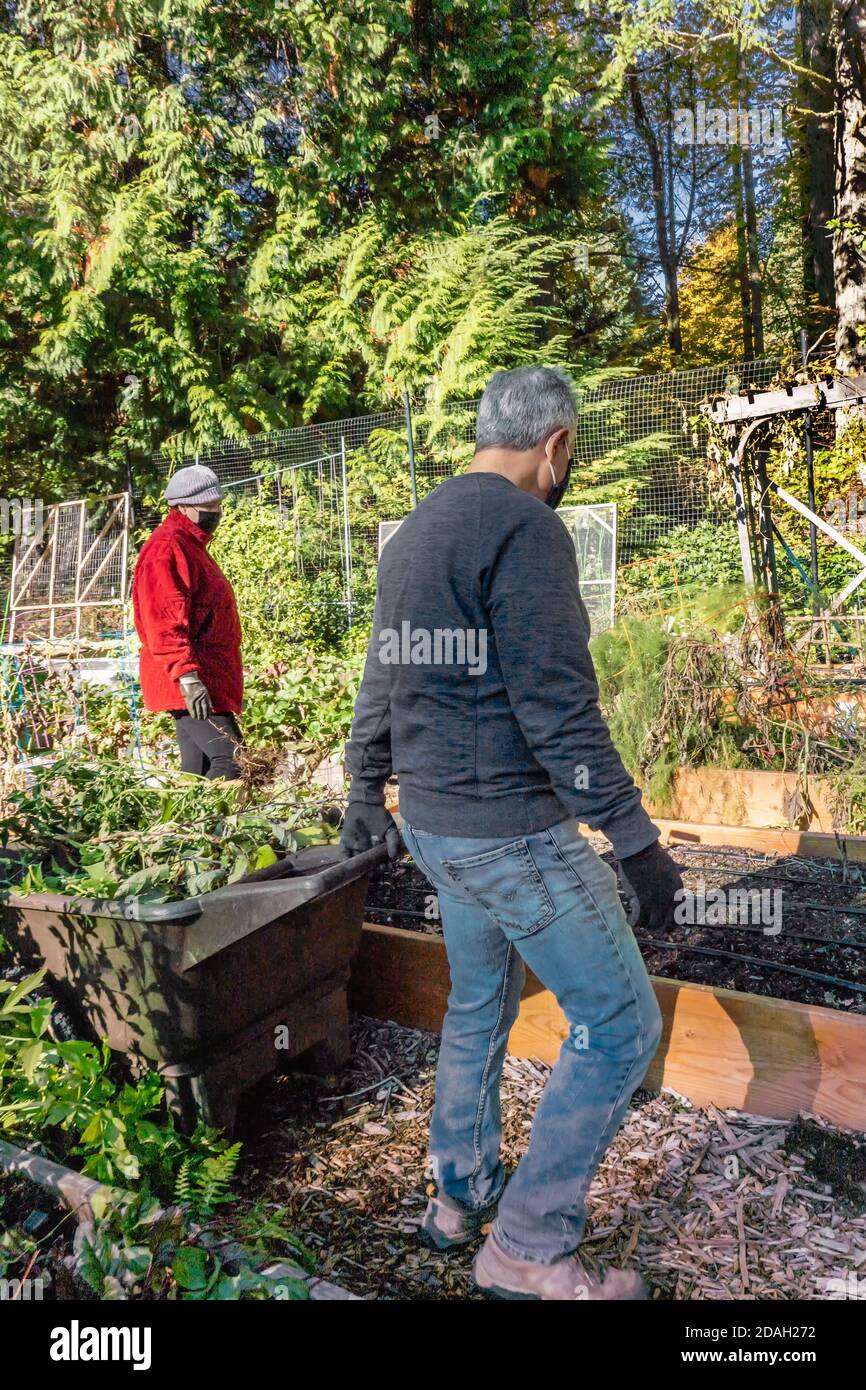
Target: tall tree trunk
pixel 849 240
pixel 422 33
pixel 663 216
pixel 754 261
pixel 742 258
pixel 815 157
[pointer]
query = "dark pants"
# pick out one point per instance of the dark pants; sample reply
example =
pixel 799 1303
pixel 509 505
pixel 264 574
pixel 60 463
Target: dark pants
pixel 207 746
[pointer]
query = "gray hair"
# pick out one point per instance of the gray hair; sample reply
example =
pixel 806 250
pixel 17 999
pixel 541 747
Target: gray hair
pixel 522 407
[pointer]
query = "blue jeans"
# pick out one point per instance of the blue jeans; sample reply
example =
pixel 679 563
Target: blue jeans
pixel 549 901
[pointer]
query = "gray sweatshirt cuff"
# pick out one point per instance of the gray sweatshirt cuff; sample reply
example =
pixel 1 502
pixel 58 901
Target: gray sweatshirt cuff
pixel 364 792
pixel 631 833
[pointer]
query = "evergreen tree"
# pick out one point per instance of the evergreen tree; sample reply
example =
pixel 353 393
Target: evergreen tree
pixel 190 192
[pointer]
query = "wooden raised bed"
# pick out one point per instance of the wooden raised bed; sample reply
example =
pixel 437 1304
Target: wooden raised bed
pixel 742 796
pixel 769 1057
pixel 808 843
pixel 766 1056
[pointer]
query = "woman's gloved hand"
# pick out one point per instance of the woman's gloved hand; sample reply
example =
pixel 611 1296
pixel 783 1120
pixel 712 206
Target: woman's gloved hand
pixel 654 880
pixel 196 695
pixel 367 825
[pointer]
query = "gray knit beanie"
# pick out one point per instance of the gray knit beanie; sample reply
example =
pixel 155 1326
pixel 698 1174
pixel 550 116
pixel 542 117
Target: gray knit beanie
pixel 189 487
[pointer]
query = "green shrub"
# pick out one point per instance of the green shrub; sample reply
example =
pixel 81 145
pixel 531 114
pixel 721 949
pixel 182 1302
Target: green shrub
pixel 688 560
pixel 64 1096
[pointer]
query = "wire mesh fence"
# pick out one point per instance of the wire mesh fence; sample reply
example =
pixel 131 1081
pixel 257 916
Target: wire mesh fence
pixel 640 444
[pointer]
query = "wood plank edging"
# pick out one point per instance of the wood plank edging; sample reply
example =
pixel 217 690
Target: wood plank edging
pixel 814 844
pixel 769 1057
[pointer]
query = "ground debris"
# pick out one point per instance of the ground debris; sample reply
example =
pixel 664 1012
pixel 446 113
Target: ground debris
pixel 708 1204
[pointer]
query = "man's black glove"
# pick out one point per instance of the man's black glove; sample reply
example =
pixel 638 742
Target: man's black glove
pixel 654 879
pixel 367 825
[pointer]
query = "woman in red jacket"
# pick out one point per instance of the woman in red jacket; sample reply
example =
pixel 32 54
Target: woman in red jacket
pixel 187 619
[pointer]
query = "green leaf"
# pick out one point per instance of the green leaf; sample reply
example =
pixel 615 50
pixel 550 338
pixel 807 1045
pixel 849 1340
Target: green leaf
pixel 17 992
pixel 229 1287
pixel 93 1132
pixel 204 882
pixel 144 881
pixel 30 1057
pixel 189 1267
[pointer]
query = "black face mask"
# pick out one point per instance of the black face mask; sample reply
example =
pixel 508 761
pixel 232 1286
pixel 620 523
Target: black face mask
pixel 208 521
pixel 557 492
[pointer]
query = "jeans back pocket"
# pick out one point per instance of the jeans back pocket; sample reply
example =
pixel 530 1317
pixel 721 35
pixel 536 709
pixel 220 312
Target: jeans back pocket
pixel 507 884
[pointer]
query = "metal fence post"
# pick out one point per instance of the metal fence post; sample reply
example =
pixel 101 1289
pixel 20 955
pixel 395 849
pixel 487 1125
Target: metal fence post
pixel 128 480
pixel 348 533
pixel 810 483
pixel 407 407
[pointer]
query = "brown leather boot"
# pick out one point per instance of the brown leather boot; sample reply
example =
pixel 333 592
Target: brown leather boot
pixel 505 1276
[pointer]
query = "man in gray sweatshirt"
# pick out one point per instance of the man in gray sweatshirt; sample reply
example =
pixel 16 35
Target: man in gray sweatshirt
pixel 479 692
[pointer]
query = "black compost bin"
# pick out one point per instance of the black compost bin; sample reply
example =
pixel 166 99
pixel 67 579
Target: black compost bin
pixel 213 991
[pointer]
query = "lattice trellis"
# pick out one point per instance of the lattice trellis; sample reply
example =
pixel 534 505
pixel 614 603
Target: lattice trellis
pixel 77 563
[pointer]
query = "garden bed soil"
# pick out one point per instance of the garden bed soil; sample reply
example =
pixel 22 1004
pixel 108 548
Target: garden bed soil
pixel 822 900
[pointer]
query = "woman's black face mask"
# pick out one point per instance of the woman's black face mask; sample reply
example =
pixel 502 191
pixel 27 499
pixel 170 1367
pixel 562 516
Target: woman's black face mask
pixel 558 491
pixel 208 521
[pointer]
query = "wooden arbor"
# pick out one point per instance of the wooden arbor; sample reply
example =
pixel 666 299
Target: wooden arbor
pixel 746 419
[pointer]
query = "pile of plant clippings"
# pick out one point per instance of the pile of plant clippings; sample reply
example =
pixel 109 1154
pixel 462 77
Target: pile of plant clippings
pixel 708 683
pixel 103 828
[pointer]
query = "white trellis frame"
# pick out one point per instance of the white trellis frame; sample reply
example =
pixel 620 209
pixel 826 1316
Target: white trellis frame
pixel 70 565
pixel 593 530
pixel 598 590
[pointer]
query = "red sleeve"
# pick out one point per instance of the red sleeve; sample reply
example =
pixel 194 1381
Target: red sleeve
pixel 162 582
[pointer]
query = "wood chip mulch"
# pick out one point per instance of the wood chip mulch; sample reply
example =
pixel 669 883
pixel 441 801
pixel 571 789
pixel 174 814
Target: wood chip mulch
pixel 708 1204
